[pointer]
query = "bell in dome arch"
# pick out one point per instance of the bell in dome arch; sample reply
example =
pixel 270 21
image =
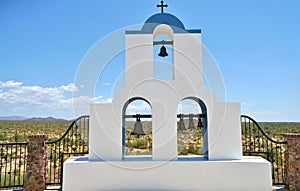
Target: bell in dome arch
pixel 163 52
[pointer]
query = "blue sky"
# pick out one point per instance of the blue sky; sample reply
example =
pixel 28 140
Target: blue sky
pixel 255 43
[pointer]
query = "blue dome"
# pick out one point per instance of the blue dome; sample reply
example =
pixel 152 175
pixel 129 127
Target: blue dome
pixel 163 18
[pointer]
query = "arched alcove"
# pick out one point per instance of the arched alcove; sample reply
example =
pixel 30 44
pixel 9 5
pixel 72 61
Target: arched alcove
pixel 137 127
pixel 163 53
pixel 192 127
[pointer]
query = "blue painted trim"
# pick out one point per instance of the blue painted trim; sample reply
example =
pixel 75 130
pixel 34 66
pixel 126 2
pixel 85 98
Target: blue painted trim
pixel 175 32
pixel 194 31
pixel 192 158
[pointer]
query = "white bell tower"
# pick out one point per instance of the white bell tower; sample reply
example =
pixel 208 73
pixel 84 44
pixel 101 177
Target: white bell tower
pixel 222 138
pixel 222 167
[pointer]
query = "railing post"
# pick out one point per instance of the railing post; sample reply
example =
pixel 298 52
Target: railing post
pixel 36 166
pixel 292 161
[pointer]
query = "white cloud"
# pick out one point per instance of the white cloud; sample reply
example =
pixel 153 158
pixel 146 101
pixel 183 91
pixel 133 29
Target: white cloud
pixel 105 83
pixel 43 101
pixel 10 84
pixel 70 87
pixel 138 107
pixel 16 93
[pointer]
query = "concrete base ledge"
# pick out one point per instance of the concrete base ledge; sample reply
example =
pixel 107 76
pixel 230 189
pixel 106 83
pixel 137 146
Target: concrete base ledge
pixel 250 173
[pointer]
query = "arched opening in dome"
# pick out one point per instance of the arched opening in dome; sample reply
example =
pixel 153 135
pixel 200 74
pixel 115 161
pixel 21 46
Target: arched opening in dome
pixel 163 53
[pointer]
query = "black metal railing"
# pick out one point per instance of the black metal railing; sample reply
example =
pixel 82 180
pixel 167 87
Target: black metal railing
pixel 12 164
pixel 73 143
pixel 257 143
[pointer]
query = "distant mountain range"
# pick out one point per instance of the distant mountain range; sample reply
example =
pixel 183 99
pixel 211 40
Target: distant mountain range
pixel 44 119
pixel 21 118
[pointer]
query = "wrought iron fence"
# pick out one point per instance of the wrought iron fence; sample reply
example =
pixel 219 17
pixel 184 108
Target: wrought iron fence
pixel 257 143
pixel 73 142
pixel 12 164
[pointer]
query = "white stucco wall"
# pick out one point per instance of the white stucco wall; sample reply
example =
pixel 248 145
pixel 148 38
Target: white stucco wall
pixel 139 58
pixel 224 139
pixel 249 174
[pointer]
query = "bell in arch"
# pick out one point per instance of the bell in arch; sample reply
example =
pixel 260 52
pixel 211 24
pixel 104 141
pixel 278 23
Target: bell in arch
pixel 181 126
pixel 138 127
pixel 163 52
pixel 191 122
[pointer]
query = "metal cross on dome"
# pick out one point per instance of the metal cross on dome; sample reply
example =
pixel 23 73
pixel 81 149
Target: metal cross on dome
pixel 162 5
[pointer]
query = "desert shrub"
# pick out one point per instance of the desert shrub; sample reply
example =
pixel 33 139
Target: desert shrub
pixel 191 149
pixel 140 144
